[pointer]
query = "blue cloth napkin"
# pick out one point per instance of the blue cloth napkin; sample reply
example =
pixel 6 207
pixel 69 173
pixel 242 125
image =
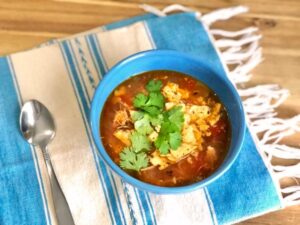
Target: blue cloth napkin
pixel 245 191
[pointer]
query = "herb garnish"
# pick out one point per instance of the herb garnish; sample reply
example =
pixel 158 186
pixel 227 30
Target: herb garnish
pixel 151 117
pixel 170 133
pixel 133 161
pixel 152 103
pixel 134 157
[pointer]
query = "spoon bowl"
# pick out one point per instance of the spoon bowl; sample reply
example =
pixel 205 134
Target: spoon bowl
pixel 36 123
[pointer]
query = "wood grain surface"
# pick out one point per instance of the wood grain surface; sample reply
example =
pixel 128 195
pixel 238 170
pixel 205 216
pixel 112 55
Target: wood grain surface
pixel 26 23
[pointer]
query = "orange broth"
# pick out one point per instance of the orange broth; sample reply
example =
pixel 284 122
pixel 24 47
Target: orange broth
pixel 188 170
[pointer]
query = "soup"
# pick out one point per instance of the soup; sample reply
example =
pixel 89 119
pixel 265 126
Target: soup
pixel 165 128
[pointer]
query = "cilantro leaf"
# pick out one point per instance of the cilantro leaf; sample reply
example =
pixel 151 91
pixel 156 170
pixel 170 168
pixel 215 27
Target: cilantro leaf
pixel 133 161
pixel 157 120
pixel 164 148
pixel 154 85
pixel 169 127
pixel 154 102
pixel 175 115
pixel 159 140
pixel 175 140
pixel 139 142
pixel 136 115
pixel 143 125
pixel 156 99
pixel 152 110
pixel 162 144
pixel 140 100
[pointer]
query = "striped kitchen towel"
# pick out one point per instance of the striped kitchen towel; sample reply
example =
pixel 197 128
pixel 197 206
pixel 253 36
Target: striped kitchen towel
pixel 63 75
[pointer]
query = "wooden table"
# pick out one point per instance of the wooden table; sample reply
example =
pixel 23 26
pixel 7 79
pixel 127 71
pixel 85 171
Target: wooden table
pixel 24 24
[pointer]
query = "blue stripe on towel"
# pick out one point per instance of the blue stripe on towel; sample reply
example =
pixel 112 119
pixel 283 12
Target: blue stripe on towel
pixel 93 56
pixel 145 201
pixel 102 181
pixel 150 210
pixel 112 184
pixel 80 76
pixel 84 62
pixel 141 210
pixel 144 205
pixel 118 197
pixel 72 71
pixel 18 179
pixel 98 54
pixel 129 203
pixel 106 181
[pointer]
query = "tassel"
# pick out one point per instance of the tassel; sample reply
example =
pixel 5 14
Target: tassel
pixel 167 10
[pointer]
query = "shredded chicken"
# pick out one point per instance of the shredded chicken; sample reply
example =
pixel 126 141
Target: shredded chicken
pixel 202 125
pixel 157 160
pixel 183 150
pixel 198 112
pixel 121 118
pixel 163 161
pixel 188 135
pixel 215 114
pixel 173 93
pixel 170 105
pixel 187 119
pixel 211 155
pixel 198 134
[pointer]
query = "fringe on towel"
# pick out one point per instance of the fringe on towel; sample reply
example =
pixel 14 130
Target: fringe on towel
pixel 241 51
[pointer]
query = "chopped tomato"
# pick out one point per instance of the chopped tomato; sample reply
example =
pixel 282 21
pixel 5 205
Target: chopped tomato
pixel 218 128
pixel 127 99
pixel 191 84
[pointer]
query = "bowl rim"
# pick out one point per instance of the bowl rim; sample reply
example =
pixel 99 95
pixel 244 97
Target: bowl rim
pixel 143 185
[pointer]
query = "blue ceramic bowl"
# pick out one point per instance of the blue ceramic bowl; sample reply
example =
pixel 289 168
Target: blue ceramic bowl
pixel 176 61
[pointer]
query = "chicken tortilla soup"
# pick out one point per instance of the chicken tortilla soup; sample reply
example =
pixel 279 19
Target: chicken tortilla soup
pixel 165 128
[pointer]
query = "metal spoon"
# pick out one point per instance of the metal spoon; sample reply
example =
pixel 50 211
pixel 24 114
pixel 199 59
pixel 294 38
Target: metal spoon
pixel 38 128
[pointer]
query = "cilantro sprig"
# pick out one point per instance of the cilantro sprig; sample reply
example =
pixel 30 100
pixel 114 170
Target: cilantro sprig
pixel 154 85
pixel 139 142
pixel 134 157
pixel 170 133
pixel 147 118
pixel 152 103
pixel 131 160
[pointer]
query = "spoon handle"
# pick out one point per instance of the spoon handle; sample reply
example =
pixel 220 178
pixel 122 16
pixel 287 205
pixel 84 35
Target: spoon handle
pixel 63 213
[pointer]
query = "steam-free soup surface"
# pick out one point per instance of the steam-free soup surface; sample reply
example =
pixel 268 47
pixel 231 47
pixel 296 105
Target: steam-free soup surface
pixel 165 128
